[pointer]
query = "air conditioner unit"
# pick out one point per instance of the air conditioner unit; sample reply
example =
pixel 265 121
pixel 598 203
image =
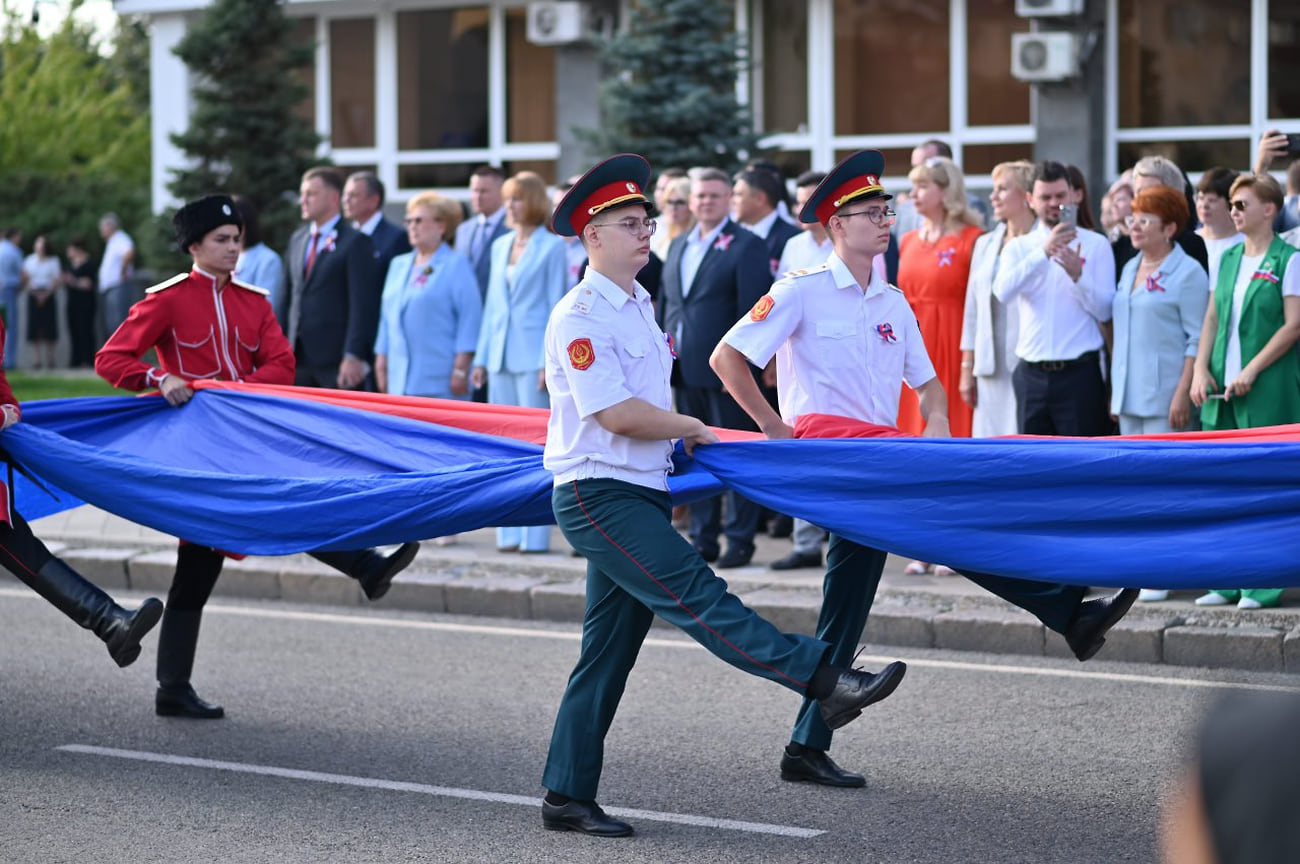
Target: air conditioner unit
pixel 1041 57
pixel 557 22
pixel 1048 8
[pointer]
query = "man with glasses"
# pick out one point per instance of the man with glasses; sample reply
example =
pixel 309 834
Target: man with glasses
pixel 713 273
pixel 609 444
pixel 845 341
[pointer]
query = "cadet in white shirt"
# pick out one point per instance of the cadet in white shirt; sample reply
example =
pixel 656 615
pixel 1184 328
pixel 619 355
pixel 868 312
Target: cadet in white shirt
pixel 844 342
pixel 609 442
pixel 1062 280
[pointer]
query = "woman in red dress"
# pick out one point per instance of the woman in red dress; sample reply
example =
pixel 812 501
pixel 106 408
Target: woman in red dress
pixel 933 269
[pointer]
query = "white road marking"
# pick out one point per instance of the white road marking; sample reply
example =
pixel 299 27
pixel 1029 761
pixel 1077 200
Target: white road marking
pixel 440 791
pixel 576 635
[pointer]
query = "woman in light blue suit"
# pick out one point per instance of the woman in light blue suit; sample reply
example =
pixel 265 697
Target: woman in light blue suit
pixel 430 311
pixel 529 275
pixel 1158 312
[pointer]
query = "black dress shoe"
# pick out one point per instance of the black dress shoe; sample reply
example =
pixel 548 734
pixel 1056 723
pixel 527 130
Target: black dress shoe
pixel 780 527
pixel 857 689
pixel 377 582
pixel 583 816
pixel 796 559
pixel 180 700
pixel 708 553
pixel 1087 631
pixel 735 556
pixel 816 766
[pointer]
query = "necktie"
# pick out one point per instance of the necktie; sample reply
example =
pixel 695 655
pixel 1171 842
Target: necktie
pixel 476 242
pixel 311 254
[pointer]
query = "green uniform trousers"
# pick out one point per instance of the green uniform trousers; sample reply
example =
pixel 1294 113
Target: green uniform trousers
pixel 638 566
pixel 852 576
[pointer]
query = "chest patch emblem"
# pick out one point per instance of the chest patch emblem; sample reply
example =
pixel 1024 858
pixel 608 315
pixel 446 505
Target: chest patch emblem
pixel 762 308
pixel 581 354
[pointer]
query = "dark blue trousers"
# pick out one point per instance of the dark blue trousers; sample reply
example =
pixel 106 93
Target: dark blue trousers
pixel 852 576
pixel 638 566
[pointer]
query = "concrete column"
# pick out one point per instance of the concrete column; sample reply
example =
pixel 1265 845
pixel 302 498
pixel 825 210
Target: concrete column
pixel 169 83
pixel 1069 117
pixel 577 106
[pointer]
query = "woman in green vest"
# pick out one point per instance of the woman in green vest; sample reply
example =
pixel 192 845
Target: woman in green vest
pixel 1249 336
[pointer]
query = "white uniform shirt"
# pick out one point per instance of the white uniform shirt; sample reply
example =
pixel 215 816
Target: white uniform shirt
pixel 115 251
pixel 602 348
pixel 803 252
pixel 1058 316
pixel 839 349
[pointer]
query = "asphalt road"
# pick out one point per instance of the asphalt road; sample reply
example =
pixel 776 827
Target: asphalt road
pixel 366 736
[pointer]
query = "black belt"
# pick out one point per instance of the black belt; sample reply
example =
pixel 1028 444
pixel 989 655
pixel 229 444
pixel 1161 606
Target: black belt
pixel 1062 365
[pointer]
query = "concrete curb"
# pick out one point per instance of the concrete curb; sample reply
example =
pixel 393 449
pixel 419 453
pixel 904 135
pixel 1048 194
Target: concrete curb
pixel 463 581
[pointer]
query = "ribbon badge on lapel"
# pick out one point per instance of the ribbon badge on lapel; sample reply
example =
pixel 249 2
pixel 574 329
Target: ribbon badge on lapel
pixel 672 346
pixel 1265 273
pixel 1153 283
pixel 723 241
pixel 946 256
pixel 886 332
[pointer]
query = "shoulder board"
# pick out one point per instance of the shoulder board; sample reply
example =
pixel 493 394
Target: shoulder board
pixel 806 271
pixel 248 287
pixel 162 286
pixel 582 300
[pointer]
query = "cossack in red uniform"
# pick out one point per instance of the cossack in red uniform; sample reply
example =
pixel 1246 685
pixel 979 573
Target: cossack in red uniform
pixel 226 333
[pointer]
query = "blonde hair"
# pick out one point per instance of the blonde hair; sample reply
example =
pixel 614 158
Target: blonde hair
pixel 531 188
pixel 944 173
pixel 445 210
pixel 1021 171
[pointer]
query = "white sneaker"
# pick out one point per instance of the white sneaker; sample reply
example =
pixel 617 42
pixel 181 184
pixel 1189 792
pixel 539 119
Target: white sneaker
pixel 1249 603
pixel 1212 599
pixel 1154 595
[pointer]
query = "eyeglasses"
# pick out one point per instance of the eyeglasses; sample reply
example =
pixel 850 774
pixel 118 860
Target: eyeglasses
pixel 676 202
pixel 631 225
pixel 1238 205
pixel 879 215
pixel 417 220
pixel 1145 221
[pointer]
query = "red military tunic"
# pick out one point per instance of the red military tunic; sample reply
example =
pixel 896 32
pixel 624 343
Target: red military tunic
pixel 200 331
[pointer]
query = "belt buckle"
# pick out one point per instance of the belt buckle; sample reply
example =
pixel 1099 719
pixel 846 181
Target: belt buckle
pixel 1054 365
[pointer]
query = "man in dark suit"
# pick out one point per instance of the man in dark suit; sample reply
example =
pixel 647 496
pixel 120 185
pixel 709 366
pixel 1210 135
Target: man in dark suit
pixel 363 206
pixel 487 221
pixel 754 197
pixel 331 310
pixel 714 274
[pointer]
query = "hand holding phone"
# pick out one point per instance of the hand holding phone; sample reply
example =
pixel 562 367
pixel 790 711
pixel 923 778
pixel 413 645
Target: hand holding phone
pixel 1069 215
pixel 1293 143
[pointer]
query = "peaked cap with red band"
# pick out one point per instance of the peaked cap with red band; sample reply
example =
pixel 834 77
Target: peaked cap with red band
pixel 856 178
pixel 617 181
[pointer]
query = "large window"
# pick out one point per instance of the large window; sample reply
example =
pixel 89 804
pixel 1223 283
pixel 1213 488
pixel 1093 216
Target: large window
pixel 442 79
pixel 1184 62
pixel 1283 59
pixel 891 66
pixel 352 82
pixel 993 96
pixel 530 83
pixel 784 68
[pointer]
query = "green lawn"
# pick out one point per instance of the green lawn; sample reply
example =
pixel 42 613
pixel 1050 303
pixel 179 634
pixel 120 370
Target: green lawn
pixel 29 387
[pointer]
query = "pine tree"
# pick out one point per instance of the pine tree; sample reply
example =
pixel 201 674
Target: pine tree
pixel 246 136
pixel 672 92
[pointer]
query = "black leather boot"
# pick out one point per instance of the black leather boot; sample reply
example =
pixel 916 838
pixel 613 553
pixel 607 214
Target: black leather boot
pixel 84 602
pixel 177 641
pixel 375 572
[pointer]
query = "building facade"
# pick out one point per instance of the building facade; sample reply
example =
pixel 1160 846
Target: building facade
pixel 422 91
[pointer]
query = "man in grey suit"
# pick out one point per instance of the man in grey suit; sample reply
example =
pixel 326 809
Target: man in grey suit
pixel 714 274
pixel 331 311
pixel 363 206
pixel 487 221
